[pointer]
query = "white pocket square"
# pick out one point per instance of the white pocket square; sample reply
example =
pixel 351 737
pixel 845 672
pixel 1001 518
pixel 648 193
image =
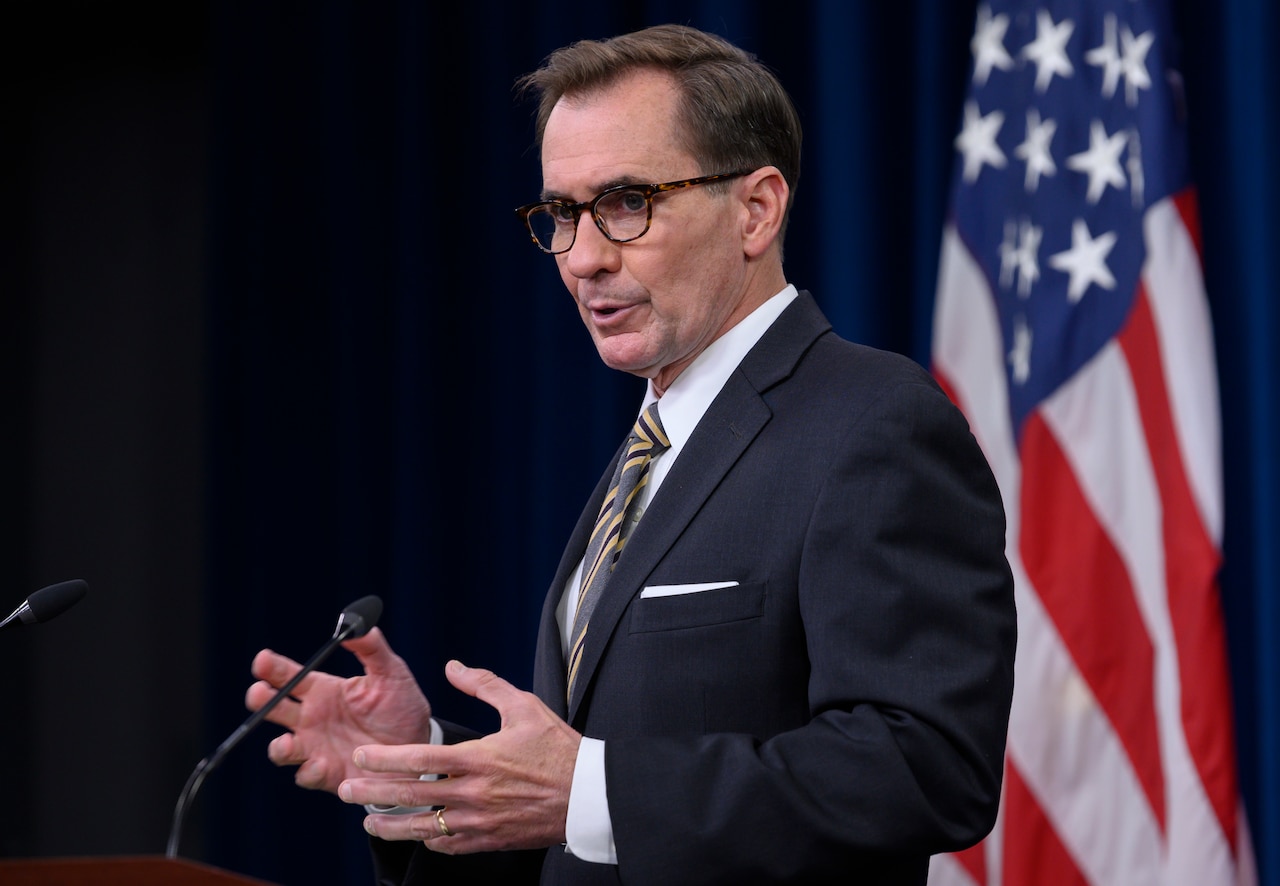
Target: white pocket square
pixel 673 590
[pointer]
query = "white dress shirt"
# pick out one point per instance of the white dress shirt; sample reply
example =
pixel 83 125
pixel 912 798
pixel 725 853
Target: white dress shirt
pixel 589 830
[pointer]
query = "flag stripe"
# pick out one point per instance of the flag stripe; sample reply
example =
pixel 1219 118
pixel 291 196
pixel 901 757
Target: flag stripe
pixel 1033 852
pixel 974 862
pixel 1192 562
pixel 1172 277
pixel 946 870
pixel 1064 748
pixel 1072 329
pixel 1085 587
pixel 1096 415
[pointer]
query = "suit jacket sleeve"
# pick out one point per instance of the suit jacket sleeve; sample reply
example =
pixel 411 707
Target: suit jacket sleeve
pixel 888 555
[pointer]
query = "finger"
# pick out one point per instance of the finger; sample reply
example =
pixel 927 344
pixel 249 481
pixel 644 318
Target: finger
pixel 484 685
pixel 419 826
pixel 278 670
pixel 286 713
pixel 407 793
pixel 412 759
pixel 315 774
pixel 286 750
pixel 375 654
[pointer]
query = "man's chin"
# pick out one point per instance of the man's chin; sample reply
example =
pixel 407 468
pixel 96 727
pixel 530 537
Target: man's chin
pixel 626 360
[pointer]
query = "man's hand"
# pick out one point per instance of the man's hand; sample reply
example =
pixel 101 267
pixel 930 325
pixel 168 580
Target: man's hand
pixel 328 716
pixel 508 790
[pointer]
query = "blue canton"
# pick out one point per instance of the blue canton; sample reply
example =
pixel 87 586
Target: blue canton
pixel 1064 146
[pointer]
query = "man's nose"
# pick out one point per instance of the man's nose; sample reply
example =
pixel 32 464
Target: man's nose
pixel 592 251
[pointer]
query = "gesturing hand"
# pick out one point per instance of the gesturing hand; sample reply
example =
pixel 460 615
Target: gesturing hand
pixel 332 715
pixel 508 790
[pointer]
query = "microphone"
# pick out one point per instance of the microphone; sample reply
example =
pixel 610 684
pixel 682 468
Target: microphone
pixel 355 621
pixel 47 603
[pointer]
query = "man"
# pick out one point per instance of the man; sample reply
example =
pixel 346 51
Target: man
pixel 800 666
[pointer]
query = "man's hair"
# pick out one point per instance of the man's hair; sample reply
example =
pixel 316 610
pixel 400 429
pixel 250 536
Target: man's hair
pixel 732 114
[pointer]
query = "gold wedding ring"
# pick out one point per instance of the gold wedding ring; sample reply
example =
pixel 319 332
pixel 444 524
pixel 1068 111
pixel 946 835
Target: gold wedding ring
pixel 444 828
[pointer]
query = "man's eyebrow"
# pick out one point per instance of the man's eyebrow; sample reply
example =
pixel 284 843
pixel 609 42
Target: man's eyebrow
pixel 599 189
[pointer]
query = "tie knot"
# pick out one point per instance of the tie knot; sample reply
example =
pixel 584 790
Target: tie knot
pixel 649 433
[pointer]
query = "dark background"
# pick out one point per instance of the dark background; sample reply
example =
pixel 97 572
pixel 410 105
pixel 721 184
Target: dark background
pixel 267 322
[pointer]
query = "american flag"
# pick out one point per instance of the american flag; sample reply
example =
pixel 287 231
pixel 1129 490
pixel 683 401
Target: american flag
pixel 1072 328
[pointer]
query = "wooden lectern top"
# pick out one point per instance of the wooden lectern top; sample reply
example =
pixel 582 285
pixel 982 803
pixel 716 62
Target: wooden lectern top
pixel 144 870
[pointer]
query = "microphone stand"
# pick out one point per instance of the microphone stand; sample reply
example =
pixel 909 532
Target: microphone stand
pixel 346 628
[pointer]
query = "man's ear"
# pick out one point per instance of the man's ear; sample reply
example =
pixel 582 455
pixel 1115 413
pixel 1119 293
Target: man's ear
pixel 766 202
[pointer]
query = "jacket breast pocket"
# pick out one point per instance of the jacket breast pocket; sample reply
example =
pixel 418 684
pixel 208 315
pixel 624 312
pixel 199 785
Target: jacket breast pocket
pixel 711 607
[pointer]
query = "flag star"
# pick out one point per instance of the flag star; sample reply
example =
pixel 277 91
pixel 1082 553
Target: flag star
pixel 1102 161
pixel 1020 253
pixel 1137 178
pixel 1020 354
pixel 977 140
pixel 1009 253
pixel 1135 49
pixel 1049 49
pixel 1028 257
pixel 987 45
pixel 1107 57
pixel 1035 150
pixel 1085 262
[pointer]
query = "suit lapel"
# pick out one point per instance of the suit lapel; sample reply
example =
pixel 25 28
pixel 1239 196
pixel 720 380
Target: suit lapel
pixel 732 422
pixel 550 680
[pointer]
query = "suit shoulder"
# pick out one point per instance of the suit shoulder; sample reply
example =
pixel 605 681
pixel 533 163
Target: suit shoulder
pixel 840 359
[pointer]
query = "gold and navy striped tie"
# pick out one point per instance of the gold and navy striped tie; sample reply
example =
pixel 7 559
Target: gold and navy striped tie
pixel 647 441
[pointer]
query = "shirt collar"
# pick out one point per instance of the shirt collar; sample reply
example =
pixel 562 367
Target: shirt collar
pixel 690 395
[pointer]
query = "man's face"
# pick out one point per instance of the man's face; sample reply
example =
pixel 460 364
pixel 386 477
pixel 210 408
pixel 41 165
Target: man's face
pixel 654 304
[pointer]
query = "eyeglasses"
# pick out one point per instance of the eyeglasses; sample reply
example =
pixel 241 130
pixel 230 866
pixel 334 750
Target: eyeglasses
pixel 622 213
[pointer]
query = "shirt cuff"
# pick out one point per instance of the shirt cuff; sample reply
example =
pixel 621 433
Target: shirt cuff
pixel 437 737
pixel 588 828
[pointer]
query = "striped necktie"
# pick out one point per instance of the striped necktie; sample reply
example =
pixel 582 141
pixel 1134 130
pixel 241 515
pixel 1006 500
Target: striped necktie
pixel 647 441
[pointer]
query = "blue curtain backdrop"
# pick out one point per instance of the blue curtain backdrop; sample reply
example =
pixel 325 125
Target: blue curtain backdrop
pixel 381 333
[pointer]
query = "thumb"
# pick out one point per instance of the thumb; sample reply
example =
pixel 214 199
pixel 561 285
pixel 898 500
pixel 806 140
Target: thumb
pixel 374 654
pixel 481 683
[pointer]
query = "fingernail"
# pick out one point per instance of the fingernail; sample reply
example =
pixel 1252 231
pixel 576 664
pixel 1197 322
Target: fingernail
pixel 368 826
pixel 344 791
pixel 358 757
pixel 456 666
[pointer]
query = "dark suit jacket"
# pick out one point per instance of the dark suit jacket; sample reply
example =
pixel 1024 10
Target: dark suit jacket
pixel 841 713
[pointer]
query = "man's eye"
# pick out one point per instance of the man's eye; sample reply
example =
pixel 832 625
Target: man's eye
pixel 631 201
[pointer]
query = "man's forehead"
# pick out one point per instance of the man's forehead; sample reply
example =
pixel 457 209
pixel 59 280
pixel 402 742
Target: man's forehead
pixel 621 134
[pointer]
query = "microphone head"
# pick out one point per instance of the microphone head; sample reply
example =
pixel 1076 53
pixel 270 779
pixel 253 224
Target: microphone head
pixel 54 600
pixel 360 617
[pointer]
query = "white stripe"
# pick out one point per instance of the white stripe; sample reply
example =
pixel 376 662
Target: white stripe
pixel 967 352
pixel 1128 847
pixel 1072 761
pixel 1175 287
pixel 1105 821
pixel 1095 418
pixel 1184 328
pixel 944 870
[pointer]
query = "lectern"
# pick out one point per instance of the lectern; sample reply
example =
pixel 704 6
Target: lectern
pixel 142 870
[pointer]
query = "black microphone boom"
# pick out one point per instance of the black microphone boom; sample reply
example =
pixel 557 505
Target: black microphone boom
pixel 355 621
pixel 47 603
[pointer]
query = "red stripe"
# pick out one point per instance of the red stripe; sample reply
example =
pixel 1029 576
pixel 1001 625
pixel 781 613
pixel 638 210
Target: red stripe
pixel 949 389
pixel 945 384
pixel 1188 206
pixel 974 862
pixel 1033 854
pixel 1191 564
pixel 1082 581
pixel 974 859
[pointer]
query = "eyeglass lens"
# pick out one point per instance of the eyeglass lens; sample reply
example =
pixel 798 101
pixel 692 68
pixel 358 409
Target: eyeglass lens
pixel 624 215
